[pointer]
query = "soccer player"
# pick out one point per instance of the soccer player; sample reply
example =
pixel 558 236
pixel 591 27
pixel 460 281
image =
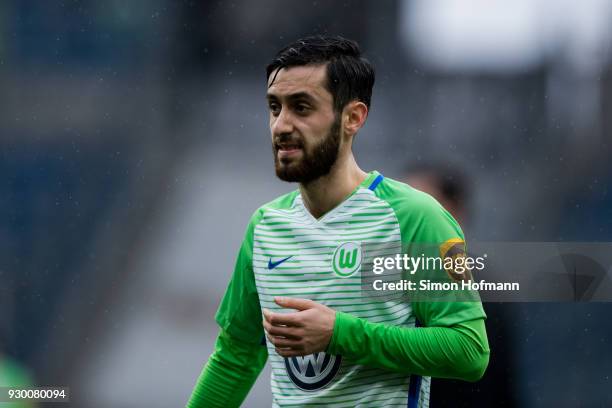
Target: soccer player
pixel 295 295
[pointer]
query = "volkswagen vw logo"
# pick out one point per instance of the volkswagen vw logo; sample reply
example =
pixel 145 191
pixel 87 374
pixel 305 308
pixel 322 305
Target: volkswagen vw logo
pixel 314 371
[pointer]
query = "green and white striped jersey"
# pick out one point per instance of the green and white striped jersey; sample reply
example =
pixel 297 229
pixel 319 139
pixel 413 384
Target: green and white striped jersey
pixel 288 252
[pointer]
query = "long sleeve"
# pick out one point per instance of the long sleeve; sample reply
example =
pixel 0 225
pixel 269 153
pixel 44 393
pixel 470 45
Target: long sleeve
pixel 229 374
pixel 452 341
pixel 239 356
pixel 460 351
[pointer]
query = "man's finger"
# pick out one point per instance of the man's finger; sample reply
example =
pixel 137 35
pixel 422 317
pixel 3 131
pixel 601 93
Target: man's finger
pixel 294 303
pixel 283 319
pixel 290 352
pixel 288 332
pixel 280 342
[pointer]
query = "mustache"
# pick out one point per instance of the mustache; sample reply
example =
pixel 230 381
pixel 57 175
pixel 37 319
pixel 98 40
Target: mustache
pixel 288 140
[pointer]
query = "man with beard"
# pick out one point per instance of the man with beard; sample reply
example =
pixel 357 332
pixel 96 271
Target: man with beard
pixel 296 298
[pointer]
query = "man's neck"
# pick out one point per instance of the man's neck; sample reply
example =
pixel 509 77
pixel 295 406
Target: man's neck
pixel 325 193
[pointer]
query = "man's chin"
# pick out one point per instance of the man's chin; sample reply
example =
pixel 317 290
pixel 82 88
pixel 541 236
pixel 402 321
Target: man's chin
pixel 297 175
pixel 290 170
pixel 288 175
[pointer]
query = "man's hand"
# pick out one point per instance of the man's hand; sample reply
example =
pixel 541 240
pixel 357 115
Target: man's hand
pixel 299 333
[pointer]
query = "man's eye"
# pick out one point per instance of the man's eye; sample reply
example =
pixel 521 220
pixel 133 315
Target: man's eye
pixel 302 108
pixel 274 108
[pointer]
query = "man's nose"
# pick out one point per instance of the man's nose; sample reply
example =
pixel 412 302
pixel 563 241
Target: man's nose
pixel 283 123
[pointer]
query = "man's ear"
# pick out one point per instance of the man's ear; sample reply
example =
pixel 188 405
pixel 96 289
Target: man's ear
pixel 354 116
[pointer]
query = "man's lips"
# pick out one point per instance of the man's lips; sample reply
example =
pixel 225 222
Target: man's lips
pixel 285 152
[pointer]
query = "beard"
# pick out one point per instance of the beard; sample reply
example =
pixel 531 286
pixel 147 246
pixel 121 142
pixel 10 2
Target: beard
pixel 315 162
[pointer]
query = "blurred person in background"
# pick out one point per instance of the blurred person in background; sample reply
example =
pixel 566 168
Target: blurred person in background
pixel 339 348
pixel 451 187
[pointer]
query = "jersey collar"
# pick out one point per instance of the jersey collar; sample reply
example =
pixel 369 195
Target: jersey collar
pixel 371 181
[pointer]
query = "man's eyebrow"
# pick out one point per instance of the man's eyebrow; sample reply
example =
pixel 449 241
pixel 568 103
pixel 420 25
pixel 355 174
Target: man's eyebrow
pixel 292 97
